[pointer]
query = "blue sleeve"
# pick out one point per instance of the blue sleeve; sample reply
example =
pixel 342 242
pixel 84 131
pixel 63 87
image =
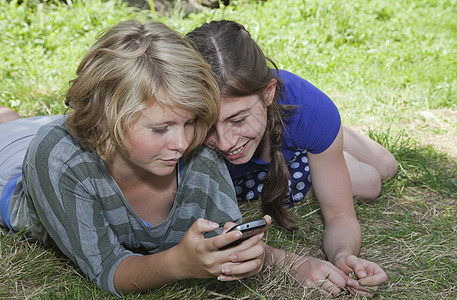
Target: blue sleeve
pixel 314 122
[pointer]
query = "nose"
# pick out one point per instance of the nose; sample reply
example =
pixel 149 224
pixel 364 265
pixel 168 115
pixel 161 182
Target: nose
pixel 220 139
pixel 180 141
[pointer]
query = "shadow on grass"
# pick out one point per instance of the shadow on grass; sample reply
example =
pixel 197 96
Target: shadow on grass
pixel 410 231
pixel 419 165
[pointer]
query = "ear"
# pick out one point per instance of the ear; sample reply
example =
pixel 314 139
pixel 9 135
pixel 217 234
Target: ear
pixel 270 91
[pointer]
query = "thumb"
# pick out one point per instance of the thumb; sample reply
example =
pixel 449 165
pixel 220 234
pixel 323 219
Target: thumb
pixel 201 226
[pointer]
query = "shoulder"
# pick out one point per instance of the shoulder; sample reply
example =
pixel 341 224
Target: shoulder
pixel 206 161
pixel 203 159
pixel 54 152
pixel 54 139
pixel 203 163
pixel 313 122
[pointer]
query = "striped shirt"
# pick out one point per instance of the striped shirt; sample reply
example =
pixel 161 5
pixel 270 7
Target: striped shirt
pixel 68 195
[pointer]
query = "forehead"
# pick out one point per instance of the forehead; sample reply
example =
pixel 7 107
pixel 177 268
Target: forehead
pixel 231 106
pixel 165 114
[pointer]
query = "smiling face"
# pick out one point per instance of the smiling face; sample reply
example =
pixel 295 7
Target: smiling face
pixel 155 142
pixel 239 129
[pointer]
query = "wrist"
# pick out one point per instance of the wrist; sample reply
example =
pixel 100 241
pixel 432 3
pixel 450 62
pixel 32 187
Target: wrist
pixel 274 256
pixel 341 254
pixel 173 265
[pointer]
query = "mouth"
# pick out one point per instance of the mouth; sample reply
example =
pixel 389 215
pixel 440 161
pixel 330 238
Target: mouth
pixel 236 153
pixel 171 161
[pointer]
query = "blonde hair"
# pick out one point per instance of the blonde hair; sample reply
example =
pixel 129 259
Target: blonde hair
pixel 130 67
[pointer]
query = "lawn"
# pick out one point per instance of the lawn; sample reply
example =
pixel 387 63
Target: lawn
pixel 390 67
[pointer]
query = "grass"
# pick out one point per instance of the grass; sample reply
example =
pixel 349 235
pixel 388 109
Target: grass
pixel 389 66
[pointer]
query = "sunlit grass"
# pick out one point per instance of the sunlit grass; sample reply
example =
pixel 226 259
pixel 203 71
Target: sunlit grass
pixel 389 66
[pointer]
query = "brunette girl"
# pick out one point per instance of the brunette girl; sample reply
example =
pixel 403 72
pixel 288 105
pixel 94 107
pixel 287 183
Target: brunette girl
pixel 276 132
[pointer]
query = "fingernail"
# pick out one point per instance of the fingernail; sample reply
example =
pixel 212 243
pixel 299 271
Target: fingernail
pixel 220 277
pixel 238 234
pixel 349 283
pixel 226 271
pixel 261 235
pixel 233 258
pixel 213 225
pixel 362 274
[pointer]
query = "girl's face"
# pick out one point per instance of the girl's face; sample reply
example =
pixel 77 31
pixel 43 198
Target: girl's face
pixel 156 141
pixel 240 128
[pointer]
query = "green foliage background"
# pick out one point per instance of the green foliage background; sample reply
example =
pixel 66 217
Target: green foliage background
pixel 391 68
pixel 383 53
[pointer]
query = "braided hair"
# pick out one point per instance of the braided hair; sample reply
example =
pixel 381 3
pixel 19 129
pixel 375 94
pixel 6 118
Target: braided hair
pixel 241 69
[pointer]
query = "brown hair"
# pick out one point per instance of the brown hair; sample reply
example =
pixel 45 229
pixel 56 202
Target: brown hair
pixel 241 69
pixel 130 67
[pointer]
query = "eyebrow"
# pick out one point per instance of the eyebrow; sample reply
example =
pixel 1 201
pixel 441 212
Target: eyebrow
pixel 161 123
pixel 166 122
pixel 169 123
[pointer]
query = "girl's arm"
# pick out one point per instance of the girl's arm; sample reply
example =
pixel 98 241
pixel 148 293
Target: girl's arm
pixel 332 187
pixel 342 235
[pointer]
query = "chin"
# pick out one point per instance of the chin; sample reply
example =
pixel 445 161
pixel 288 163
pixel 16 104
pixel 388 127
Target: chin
pixel 240 161
pixel 163 171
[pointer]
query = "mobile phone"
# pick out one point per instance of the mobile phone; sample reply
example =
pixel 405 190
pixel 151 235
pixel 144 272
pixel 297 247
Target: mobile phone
pixel 248 229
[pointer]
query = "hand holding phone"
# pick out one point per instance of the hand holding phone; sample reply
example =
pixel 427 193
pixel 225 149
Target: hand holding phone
pixel 248 229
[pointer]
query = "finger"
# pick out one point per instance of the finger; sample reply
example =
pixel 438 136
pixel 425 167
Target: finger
pixel 249 249
pixel 363 293
pixel 380 277
pixel 243 244
pixel 349 264
pixel 333 275
pixel 228 226
pixel 337 279
pixel 365 285
pixel 328 286
pixel 267 219
pixel 225 239
pixel 201 226
pixel 358 288
pixel 355 264
pixel 368 281
pixel 230 275
pixel 341 273
pixel 376 272
pixel 244 269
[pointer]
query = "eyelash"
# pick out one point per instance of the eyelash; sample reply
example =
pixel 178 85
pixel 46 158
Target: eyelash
pixel 238 121
pixel 164 130
pixel 160 130
pixel 192 122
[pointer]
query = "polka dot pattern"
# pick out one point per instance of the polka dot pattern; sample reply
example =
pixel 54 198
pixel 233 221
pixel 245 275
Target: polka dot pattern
pixel 250 185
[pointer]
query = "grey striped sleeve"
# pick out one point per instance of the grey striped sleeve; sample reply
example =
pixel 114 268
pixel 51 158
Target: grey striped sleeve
pixel 71 194
pixel 59 179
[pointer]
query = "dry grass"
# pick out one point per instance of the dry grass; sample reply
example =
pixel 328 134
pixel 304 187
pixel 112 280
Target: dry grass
pixel 411 231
